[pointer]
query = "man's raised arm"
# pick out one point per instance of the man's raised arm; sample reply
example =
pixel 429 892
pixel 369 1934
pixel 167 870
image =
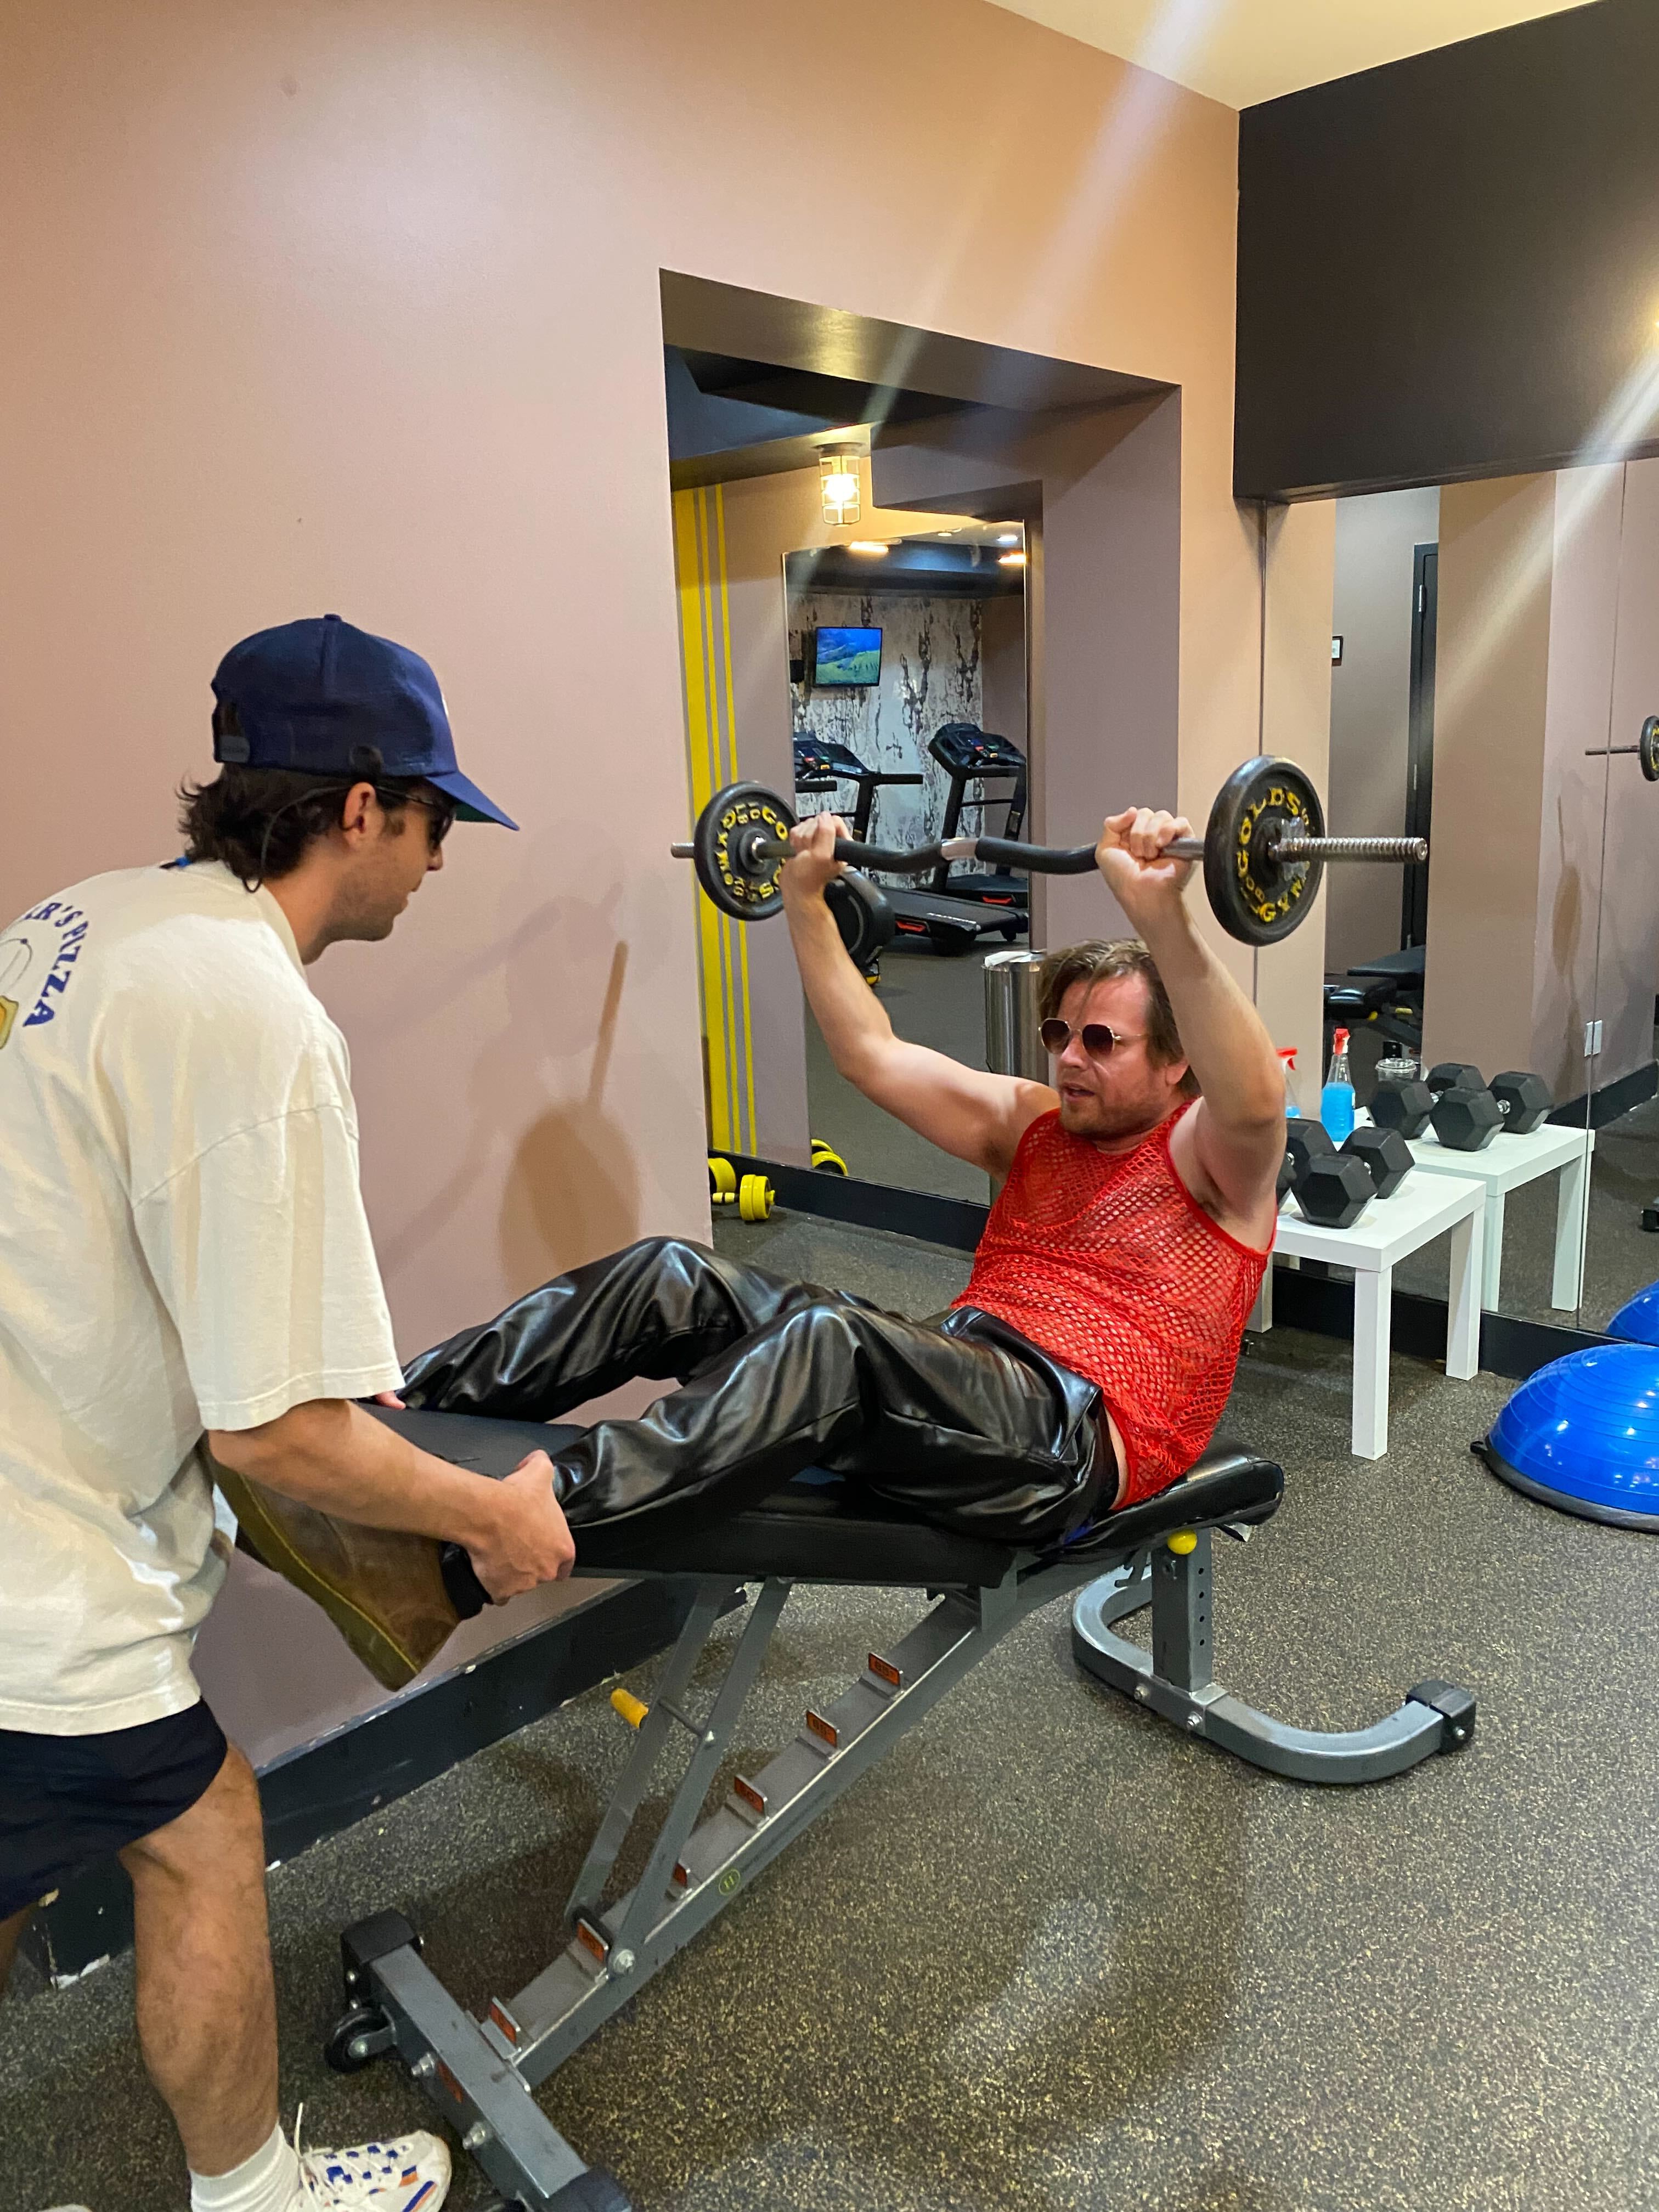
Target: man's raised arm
pixel 977 1117
pixel 1239 1127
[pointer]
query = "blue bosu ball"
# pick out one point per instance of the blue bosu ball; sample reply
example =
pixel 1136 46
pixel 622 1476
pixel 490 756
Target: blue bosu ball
pixel 1639 1320
pixel 1582 1434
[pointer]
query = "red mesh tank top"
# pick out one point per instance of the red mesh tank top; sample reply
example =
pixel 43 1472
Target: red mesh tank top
pixel 1110 1263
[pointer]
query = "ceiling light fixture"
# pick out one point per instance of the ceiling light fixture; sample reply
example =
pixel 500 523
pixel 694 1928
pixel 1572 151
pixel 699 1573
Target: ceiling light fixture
pixel 870 545
pixel 1010 561
pixel 1009 537
pixel 838 484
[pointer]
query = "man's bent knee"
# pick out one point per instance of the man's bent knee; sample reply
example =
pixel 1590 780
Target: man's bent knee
pixel 222 1829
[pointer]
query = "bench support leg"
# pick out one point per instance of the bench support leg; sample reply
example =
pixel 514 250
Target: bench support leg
pixel 1173 1679
pixel 469 2085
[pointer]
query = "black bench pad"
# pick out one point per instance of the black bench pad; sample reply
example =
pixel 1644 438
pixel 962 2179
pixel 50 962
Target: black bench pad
pixel 822 1528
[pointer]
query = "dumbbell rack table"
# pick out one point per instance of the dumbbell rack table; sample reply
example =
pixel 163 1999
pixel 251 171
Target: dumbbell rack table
pixel 1423 1208
pixel 1504 1166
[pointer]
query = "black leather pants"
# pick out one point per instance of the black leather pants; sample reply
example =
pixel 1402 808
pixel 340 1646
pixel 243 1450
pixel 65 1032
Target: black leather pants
pixel 961 1420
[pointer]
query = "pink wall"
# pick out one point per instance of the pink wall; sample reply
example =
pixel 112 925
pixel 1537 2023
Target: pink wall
pixel 314 308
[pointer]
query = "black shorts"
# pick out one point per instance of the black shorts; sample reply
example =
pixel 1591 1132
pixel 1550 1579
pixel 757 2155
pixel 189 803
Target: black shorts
pixel 69 1800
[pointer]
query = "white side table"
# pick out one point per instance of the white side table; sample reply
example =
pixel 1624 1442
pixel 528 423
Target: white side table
pixel 1423 1208
pixel 1504 1166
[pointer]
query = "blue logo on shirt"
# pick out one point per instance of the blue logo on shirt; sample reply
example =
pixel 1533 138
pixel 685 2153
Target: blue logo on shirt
pixel 37 959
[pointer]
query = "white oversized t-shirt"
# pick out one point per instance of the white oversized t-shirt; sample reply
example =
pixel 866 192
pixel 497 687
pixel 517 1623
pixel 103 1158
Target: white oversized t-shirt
pixel 183 1246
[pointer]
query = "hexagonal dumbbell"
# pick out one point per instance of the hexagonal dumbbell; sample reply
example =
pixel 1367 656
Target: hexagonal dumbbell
pixel 1286 1175
pixel 1386 1153
pixel 1403 1105
pixel 1454 1075
pixel 1334 1189
pixel 1525 1099
pixel 1467 1120
pixel 1306 1140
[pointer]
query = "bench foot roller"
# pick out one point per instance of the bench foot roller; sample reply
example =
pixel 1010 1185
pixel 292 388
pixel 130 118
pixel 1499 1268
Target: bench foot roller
pixel 1174 1680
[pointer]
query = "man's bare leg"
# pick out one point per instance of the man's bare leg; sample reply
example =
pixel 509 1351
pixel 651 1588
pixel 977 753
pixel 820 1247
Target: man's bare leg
pixel 206 1999
pixel 10 1934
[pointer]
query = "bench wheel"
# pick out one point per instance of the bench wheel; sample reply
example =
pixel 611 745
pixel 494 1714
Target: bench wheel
pixel 360 2036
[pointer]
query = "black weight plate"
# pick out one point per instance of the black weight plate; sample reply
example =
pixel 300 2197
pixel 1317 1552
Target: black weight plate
pixel 1255 897
pixel 1647 748
pixel 741 883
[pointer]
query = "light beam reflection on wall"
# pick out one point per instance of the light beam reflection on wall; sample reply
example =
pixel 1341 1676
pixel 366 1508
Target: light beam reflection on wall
pixel 1010 561
pixel 838 484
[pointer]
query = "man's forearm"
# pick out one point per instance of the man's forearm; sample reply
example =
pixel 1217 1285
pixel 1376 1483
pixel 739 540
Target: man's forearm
pixel 1225 1040
pixel 849 1015
pixel 332 1454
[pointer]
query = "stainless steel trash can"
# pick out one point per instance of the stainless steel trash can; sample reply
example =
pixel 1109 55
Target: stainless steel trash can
pixel 1012 1046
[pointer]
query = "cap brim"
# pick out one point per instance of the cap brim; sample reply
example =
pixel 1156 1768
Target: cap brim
pixel 470 805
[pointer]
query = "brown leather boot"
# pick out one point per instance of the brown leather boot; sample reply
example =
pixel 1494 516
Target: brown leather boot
pixel 382 1589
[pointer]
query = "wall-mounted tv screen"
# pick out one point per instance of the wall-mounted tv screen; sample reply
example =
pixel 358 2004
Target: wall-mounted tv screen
pixel 847 656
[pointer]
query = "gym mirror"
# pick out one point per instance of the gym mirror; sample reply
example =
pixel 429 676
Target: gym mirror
pixel 1621 741
pixel 1471 642
pixel 908 701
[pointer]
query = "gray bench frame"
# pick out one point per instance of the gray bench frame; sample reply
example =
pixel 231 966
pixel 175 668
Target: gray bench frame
pixel 479 2073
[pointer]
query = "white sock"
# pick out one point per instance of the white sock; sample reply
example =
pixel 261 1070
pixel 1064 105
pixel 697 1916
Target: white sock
pixel 267 2182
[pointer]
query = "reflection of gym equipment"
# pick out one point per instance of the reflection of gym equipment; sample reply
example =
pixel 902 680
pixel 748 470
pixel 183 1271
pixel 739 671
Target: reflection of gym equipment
pixel 1264 851
pixel 479 2072
pixel 951 925
pixel 1384 995
pixel 750 1196
pixel 1583 1435
pixel 1646 749
pixel 1637 1319
pixel 1468 1112
pixel 970 754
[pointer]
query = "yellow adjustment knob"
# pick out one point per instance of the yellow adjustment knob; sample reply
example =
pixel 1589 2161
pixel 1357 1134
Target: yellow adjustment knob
pixel 1184 1540
pixel 628 1706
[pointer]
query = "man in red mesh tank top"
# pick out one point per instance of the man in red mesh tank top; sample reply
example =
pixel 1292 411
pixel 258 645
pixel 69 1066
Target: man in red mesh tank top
pixel 1088 1361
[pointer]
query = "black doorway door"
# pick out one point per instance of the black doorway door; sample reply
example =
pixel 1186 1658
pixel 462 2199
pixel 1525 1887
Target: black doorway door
pixel 1420 742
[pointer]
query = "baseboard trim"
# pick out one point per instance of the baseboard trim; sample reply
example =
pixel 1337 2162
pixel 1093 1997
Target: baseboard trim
pixel 1606 1104
pixel 958 1222
pixel 1511 1347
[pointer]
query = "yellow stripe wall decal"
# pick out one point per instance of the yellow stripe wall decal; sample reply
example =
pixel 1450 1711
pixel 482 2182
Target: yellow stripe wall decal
pixel 712 750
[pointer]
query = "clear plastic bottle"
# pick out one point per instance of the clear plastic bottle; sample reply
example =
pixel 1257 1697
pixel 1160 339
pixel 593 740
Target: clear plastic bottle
pixel 1336 1100
pixel 1398 1064
pixel 1287 1068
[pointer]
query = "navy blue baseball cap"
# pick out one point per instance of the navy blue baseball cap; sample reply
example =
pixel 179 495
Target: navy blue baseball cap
pixel 323 697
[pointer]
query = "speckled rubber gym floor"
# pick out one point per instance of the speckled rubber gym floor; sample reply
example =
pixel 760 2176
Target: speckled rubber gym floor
pixel 1049 1953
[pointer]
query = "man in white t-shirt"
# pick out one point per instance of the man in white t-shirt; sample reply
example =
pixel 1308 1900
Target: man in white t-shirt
pixel 185 1262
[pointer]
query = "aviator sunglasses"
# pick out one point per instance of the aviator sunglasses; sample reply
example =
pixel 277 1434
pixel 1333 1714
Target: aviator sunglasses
pixel 1099 1039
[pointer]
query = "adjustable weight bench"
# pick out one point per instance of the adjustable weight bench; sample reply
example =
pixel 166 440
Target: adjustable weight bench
pixel 479 2073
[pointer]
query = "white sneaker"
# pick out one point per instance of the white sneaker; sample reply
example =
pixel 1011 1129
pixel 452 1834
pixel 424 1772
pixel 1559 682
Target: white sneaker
pixel 410 2173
